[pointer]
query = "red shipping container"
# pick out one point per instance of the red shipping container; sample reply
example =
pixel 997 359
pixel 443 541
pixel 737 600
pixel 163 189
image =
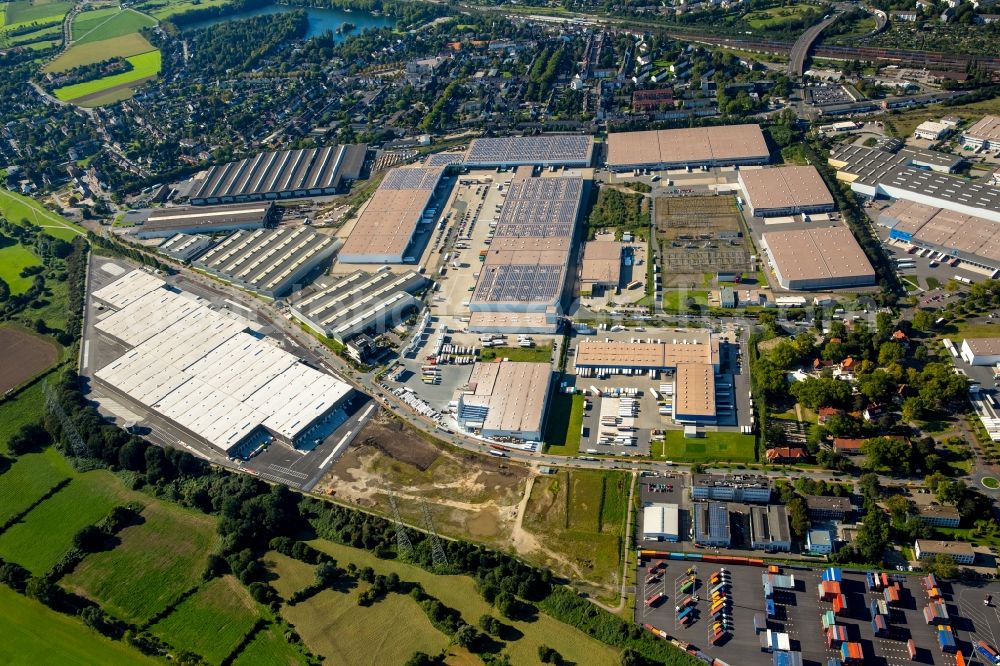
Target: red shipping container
pixel 911 648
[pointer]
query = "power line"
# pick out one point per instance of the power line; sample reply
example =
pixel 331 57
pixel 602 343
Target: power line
pixel 69 430
pixel 403 545
pixel 437 550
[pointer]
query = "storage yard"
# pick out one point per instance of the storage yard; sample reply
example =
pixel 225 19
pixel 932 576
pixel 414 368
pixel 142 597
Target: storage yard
pixel 739 611
pixel 698 235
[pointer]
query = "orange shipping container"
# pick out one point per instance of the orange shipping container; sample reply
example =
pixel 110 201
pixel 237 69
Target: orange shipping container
pixel 959 659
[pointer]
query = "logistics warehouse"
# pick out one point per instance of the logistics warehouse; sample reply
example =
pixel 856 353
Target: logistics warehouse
pixel 823 258
pixel 208 372
pixel 727 145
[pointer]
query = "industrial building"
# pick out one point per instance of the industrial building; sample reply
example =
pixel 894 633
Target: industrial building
pixel 785 190
pixel 602 266
pixel 932 130
pixel 569 150
pixel 281 175
pixel 640 355
pixel 981 351
pixel 525 268
pixel 727 145
pixel 819 542
pixel 661 522
pixel 165 222
pixel 204 371
pixel 984 135
pixel 506 399
pixel 385 230
pixel 769 529
pixel 694 394
pixel 821 258
pixel 711 525
pixel 913 176
pixel 185 247
pixel 731 488
pixel 960 551
pixel 342 307
pixel 974 240
pixel 268 262
pixel 821 507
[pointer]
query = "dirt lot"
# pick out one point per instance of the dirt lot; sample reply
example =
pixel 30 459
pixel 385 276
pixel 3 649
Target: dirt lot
pixel 699 235
pixel 22 356
pixel 469 495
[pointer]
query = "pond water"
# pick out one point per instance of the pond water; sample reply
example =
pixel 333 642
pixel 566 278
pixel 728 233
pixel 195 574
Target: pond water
pixel 320 19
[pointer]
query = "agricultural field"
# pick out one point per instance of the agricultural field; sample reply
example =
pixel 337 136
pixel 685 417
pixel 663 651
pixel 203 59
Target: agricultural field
pixel 47 531
pixel 91 52
pixel 164 9
pixel 291 574
pixel 581 514
pixel 34 634
pixel 14 258
pixel 459 592
pixel 124 22
pixel 35 11
pixel 17 208
pixel 23 355
pixel 714 446
pixel 213 621
pixel 269 647
pixel 165 555
pixel 145 66
pixel 43 32
pixel 28 479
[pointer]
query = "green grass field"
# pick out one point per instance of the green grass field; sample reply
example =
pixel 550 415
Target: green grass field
pixel 564 424
pixel 33 634
pixel 539 354
pixel 18 411
pixel 125 22
pixel 714 446
pixel 144 66
pixel 775 17
pixel 28 479
pixel 212 621
pixel 676 300
pixel 89 19
pixel 164 9
pixel 13 259
pixel 269 647
pixel 459 592
pixel 165 556
pixel 292 575
pixel 16 208
pixel 47 531
pixel 49 32
pixel 35 11
pixel 91 52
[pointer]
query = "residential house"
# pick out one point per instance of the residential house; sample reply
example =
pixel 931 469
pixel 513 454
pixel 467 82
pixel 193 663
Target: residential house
pixel 786 454
pixel 826 413
pixel 848 446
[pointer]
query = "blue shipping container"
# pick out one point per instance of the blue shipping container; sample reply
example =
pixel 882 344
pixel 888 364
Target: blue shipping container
pixel 946 641
pixel 771 612
pixel 685 611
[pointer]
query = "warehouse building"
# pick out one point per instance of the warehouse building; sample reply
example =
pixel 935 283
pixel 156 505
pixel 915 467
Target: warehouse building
pixel 165 222
pixel 769 529
pixel 731 488
pixel 661 522
pixel 281 175
pixel 268 262
pixel 960 551
pixel 984 135
pixel 981 351
pixel 202 370
pixel 785 190
pixel 342 307
pixel 974 240
pixel 568 150
pixel 185 247
pixel 641 355
pixel 505 399
pixel 727 145
pixel 869 165
pixel 932 130
pixel 601 267
pixel 823 258
pixel 711 525
pixel 526 266
pixel 384 232
pixel 694 394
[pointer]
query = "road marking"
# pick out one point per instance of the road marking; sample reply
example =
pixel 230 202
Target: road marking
pixel 336 449
pixel 86 354
pixel 367 412
pixel 290 472
pixel 241 307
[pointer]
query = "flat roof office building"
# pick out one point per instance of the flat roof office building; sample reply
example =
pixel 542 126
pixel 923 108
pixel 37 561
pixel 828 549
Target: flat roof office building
pixel 731 487
pixel 822 258
pixel 165 222
pixel 726 145
pixel 984 134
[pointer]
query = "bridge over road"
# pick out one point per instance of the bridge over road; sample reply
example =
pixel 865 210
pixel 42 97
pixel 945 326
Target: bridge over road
pixel 800 49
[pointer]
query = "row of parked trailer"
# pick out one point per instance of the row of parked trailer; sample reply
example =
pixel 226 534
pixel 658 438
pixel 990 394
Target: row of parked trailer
pixel 720 586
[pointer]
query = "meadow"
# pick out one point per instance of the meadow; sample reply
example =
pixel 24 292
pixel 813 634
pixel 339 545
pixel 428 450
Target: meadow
pixel 47 531
pixel 16 207
pixel 14 258
pixel 291 575
pixel 33 634
pixel 125 22
pixel 564 425
pixel 713 446
pixel 145 66
pixel 269 647
pixel 165 555
pixel 775 17
pixel 29 478
pixel 91 52
pixel 35 11
pixel 164 9
pixel 212 622
pixel 90 18
pixel 18 411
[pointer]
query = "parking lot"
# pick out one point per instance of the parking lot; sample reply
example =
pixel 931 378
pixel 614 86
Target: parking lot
pixel 799 614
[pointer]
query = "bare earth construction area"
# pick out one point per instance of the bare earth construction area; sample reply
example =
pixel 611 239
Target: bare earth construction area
pixel 22 356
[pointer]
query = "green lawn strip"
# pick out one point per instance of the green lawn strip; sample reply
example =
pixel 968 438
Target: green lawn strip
pixel 713 446
pixel 165 556
pixel 34 634
pixel 164 10
pixel 29 479
pixel 677 300
pixel 564 425
pixel 269 647
pixel 212 621
pixel 17 208
pixel 15 258
pixel 123 23
pixel 291 575
pixel 47 531
pixel 539 354
pixel 42 33
pixel 144 65
pixel 459 592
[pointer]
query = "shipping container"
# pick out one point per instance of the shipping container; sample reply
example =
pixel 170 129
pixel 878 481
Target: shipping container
pixel 655 599
pixel 840 604
pixel 770 608
pixel 879 626
pixel 891 595
pixel 759 623
pixel 988 653
pixel 946 640
pixel 911 649
pixel 959 658
pixel 929 581
pixel 851 653
pixel 829 619
pixel 833 574
pixel 685 612
pixel 870 581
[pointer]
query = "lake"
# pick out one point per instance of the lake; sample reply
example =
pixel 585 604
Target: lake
pixel 320 19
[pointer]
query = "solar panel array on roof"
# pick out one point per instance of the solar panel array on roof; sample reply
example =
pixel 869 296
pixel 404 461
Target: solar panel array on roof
pixel 444 159
pixel 540 207
pixel 507 282
pixel 545 150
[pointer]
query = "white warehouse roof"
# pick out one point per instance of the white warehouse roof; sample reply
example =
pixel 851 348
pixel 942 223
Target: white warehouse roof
pixel 660 519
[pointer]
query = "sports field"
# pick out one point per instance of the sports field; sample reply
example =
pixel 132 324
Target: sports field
pixel 124 22
pixel 91 52
pixel 145 66
pixel 33 634
pixel 212 621
pixel 29 479
pixel 16 208
pixel 14 258
pixel 165 555
pixel 714 446
pixel 23 355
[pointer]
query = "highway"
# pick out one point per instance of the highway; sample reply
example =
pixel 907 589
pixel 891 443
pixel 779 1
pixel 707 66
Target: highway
pixel 800 49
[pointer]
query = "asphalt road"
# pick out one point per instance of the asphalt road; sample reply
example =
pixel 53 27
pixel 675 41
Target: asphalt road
pixel 797 57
